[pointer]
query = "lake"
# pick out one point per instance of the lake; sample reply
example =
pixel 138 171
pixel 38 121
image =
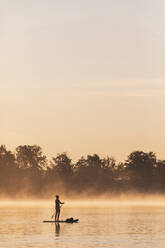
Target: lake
pixel 101 224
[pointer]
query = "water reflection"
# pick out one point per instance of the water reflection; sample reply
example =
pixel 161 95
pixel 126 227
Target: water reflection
pixel 57 229
pixel 122 227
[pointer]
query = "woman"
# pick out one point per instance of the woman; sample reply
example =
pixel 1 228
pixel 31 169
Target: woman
pixel 58 204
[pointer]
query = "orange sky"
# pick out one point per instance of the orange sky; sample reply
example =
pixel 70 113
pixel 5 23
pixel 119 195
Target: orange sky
pixel 83 76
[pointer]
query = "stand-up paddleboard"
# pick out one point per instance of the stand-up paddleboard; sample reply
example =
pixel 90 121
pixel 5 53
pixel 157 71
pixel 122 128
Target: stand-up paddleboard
pixel 70 220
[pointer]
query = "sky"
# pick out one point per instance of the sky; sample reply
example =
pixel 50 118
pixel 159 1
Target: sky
pixel 83 77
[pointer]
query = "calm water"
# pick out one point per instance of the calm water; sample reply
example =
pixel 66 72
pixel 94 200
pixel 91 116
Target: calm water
pixel 109 226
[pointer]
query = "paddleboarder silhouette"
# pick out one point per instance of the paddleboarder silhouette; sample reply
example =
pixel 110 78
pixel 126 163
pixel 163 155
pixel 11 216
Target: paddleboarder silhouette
pixel 58 205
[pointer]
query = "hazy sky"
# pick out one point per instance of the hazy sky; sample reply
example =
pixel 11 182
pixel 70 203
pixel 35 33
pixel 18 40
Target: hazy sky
pixel 83 76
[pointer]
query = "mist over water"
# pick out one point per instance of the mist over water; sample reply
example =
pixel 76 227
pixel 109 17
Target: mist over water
pixel 27 173
pixel 118 205
pixel 90 202
pixel 102 223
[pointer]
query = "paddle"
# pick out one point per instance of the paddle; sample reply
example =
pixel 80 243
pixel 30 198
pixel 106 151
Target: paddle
pixel 52 216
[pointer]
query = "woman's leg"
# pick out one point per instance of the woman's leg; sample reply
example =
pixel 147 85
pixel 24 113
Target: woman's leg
pixel 58 214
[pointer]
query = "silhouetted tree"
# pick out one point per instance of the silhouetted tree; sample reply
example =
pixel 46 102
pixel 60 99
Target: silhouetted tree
pixel 60 172
pixel 94 174
pixel 8 171
pixel 62 165
pixel 32 163
pixel 159 176
pixel 30 157
pixel 141 165
pixel 7 158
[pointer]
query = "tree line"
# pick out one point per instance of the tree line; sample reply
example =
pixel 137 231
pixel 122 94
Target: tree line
pixel 27 172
